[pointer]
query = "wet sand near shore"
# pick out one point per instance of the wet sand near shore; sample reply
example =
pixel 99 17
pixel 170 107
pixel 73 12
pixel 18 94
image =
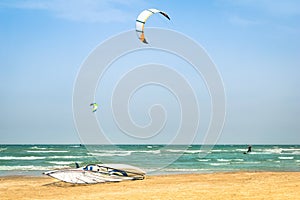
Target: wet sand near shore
pixel 235 185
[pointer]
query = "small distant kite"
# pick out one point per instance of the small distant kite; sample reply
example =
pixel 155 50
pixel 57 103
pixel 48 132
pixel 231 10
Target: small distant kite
pixel 141 20
pixel 95 106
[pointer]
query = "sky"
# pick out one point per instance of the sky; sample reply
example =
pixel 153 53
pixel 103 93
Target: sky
pixel 255 45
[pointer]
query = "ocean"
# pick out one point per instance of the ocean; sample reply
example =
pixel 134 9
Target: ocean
pixel 154 159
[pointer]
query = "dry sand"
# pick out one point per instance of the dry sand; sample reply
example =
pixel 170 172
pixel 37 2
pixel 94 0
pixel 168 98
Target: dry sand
pixel 240 185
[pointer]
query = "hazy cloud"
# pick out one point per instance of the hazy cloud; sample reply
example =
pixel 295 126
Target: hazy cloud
pixel 274 7
pixel 275 14
pixel 237 20
pixel 84 11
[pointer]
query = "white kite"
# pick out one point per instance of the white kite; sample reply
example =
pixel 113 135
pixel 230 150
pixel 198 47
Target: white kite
pixel 98 173
pixel 141 20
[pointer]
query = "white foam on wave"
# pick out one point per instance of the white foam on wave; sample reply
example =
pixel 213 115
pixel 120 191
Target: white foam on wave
pixel 267 151
pixel 203 160
pixel 36 147
pixel 62 162
pixel 2 149
pixel 278 150
pixel 248 162
pixel 242 150
pixel 230 160
pixel 152 151
pixel 286 158
pixel 111 154
pixel 281 151
pixel 218 164
pixel 67 157
pixel 238 159
pixel 291 151
pixel 223 160
pixel 184 151
pixel 273 151
pixel 175 150
pixel 115 152
pixel 219 150
pixel 50 151
pixel 31 168
pixel 260 153
pixel 194 151
pixel 22 158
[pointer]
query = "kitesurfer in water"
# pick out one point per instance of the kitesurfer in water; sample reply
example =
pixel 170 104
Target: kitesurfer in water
pixel 249 149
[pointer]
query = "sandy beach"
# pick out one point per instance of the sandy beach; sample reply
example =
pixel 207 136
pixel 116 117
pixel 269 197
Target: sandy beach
pixel 238 185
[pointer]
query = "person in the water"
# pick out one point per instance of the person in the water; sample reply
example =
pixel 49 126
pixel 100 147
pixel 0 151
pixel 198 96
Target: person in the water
pixel 249 149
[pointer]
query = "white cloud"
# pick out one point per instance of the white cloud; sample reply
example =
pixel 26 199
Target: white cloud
pixel 84 11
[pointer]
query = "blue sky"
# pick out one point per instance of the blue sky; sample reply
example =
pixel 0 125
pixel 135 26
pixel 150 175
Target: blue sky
pixel 255 45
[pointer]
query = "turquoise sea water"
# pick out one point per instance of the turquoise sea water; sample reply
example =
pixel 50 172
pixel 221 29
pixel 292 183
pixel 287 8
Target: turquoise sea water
pixel 154 159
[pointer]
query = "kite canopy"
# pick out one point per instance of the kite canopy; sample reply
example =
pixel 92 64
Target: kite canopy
pixel 141 20
pixel 95 106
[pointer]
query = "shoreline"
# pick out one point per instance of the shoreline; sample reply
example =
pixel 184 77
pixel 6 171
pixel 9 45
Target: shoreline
pixel 218 185
pixel 39 174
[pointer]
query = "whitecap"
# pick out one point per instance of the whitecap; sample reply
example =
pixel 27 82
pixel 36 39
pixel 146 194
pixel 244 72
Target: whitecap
pixel 242 150
pixel 194 151
pixel 151 151
pixel 203 160
pixel 67 157
pixel 62 162
pixel 238 159
pixel 22 158
pixel 36 147
pixel 273 151
pixel 2 149
pixel 218 164
pixel 50 151
pixel 219 150
pixel 184 151
pixel 248 162
pixel 175 151
pixel 286 158
pixel 115 152
pixel 223 160
pixel 31 168
pixel 110 154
